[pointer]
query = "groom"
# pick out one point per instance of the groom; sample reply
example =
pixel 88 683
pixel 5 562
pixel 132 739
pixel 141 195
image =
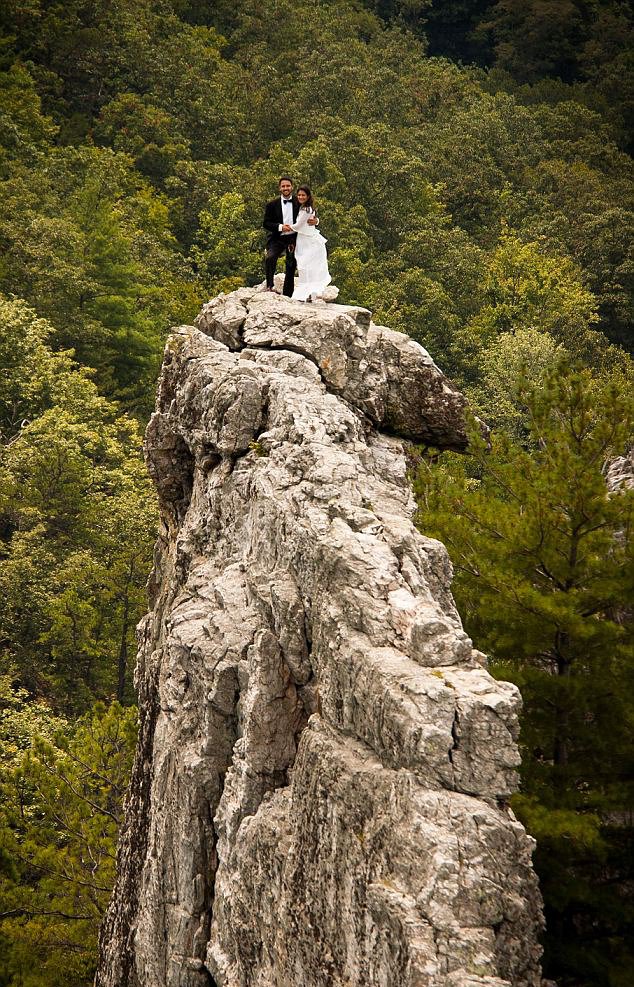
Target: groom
pixel 279 215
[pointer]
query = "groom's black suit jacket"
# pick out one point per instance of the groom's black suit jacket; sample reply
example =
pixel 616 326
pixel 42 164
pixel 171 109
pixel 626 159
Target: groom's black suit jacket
pixel 273 218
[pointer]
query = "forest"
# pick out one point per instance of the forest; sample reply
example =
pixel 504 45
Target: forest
pixel 471 163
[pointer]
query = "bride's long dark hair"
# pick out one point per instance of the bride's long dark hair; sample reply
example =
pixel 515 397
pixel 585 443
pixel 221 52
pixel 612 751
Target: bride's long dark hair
pixel 309 204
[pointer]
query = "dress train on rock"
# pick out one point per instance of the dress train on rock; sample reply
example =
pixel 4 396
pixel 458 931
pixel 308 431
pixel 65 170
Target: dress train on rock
pixel 311 257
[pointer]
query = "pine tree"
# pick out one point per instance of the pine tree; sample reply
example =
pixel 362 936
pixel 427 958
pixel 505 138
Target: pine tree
pixel 544 574
pixel 60 809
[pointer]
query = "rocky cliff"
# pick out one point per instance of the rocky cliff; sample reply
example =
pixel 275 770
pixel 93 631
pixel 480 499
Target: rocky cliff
pixel 319 797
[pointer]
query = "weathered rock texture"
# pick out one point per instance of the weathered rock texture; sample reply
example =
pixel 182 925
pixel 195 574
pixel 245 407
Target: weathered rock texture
pixel 319 795
pixel 620 472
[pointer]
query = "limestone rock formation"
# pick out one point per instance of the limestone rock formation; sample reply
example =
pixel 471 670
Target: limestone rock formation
pixel 319 797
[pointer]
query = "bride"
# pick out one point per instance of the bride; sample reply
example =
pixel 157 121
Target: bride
pixel 310 251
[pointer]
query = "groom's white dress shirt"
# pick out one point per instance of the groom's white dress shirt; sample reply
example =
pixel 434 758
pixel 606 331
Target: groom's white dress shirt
pixel 287 214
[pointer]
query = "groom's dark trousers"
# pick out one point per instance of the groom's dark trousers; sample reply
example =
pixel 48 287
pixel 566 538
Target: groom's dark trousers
pixel 277 245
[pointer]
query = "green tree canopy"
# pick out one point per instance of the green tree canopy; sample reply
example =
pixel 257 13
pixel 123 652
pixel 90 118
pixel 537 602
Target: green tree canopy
pixel 468 161
pixel 77 516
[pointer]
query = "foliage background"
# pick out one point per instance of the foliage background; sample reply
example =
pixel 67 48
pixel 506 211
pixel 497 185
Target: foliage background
pixel 471 161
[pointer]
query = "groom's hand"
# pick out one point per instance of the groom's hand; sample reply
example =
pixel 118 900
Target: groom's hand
pixel 286 228
pixel 313 221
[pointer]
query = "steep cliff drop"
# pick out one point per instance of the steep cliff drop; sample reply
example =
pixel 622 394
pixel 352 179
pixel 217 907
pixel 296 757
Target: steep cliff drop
pixel 319 797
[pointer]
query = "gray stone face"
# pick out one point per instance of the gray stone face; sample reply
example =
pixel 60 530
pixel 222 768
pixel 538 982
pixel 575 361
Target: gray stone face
pixel 382 373
pixel 320 792
pixel 620 472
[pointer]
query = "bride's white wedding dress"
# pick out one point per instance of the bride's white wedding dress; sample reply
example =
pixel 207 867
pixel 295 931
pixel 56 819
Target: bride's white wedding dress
pixel 311 257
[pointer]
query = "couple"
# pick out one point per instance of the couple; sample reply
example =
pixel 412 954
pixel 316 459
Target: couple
pixel 291 225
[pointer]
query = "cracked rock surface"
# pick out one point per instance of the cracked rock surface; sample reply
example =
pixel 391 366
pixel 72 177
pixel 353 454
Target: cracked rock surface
pixel 319 797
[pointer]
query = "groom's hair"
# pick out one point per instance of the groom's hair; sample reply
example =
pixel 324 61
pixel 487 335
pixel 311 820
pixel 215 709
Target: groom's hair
pixel 285 178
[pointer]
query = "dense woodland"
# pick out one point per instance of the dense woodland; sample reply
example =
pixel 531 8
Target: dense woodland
pixel 470 160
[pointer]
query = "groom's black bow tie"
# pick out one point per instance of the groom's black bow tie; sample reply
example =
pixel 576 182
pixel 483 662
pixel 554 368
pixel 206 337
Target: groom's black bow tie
pixel 287 200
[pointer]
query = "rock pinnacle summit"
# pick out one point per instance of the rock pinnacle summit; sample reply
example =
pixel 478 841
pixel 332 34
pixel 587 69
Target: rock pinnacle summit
pixel 320 791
